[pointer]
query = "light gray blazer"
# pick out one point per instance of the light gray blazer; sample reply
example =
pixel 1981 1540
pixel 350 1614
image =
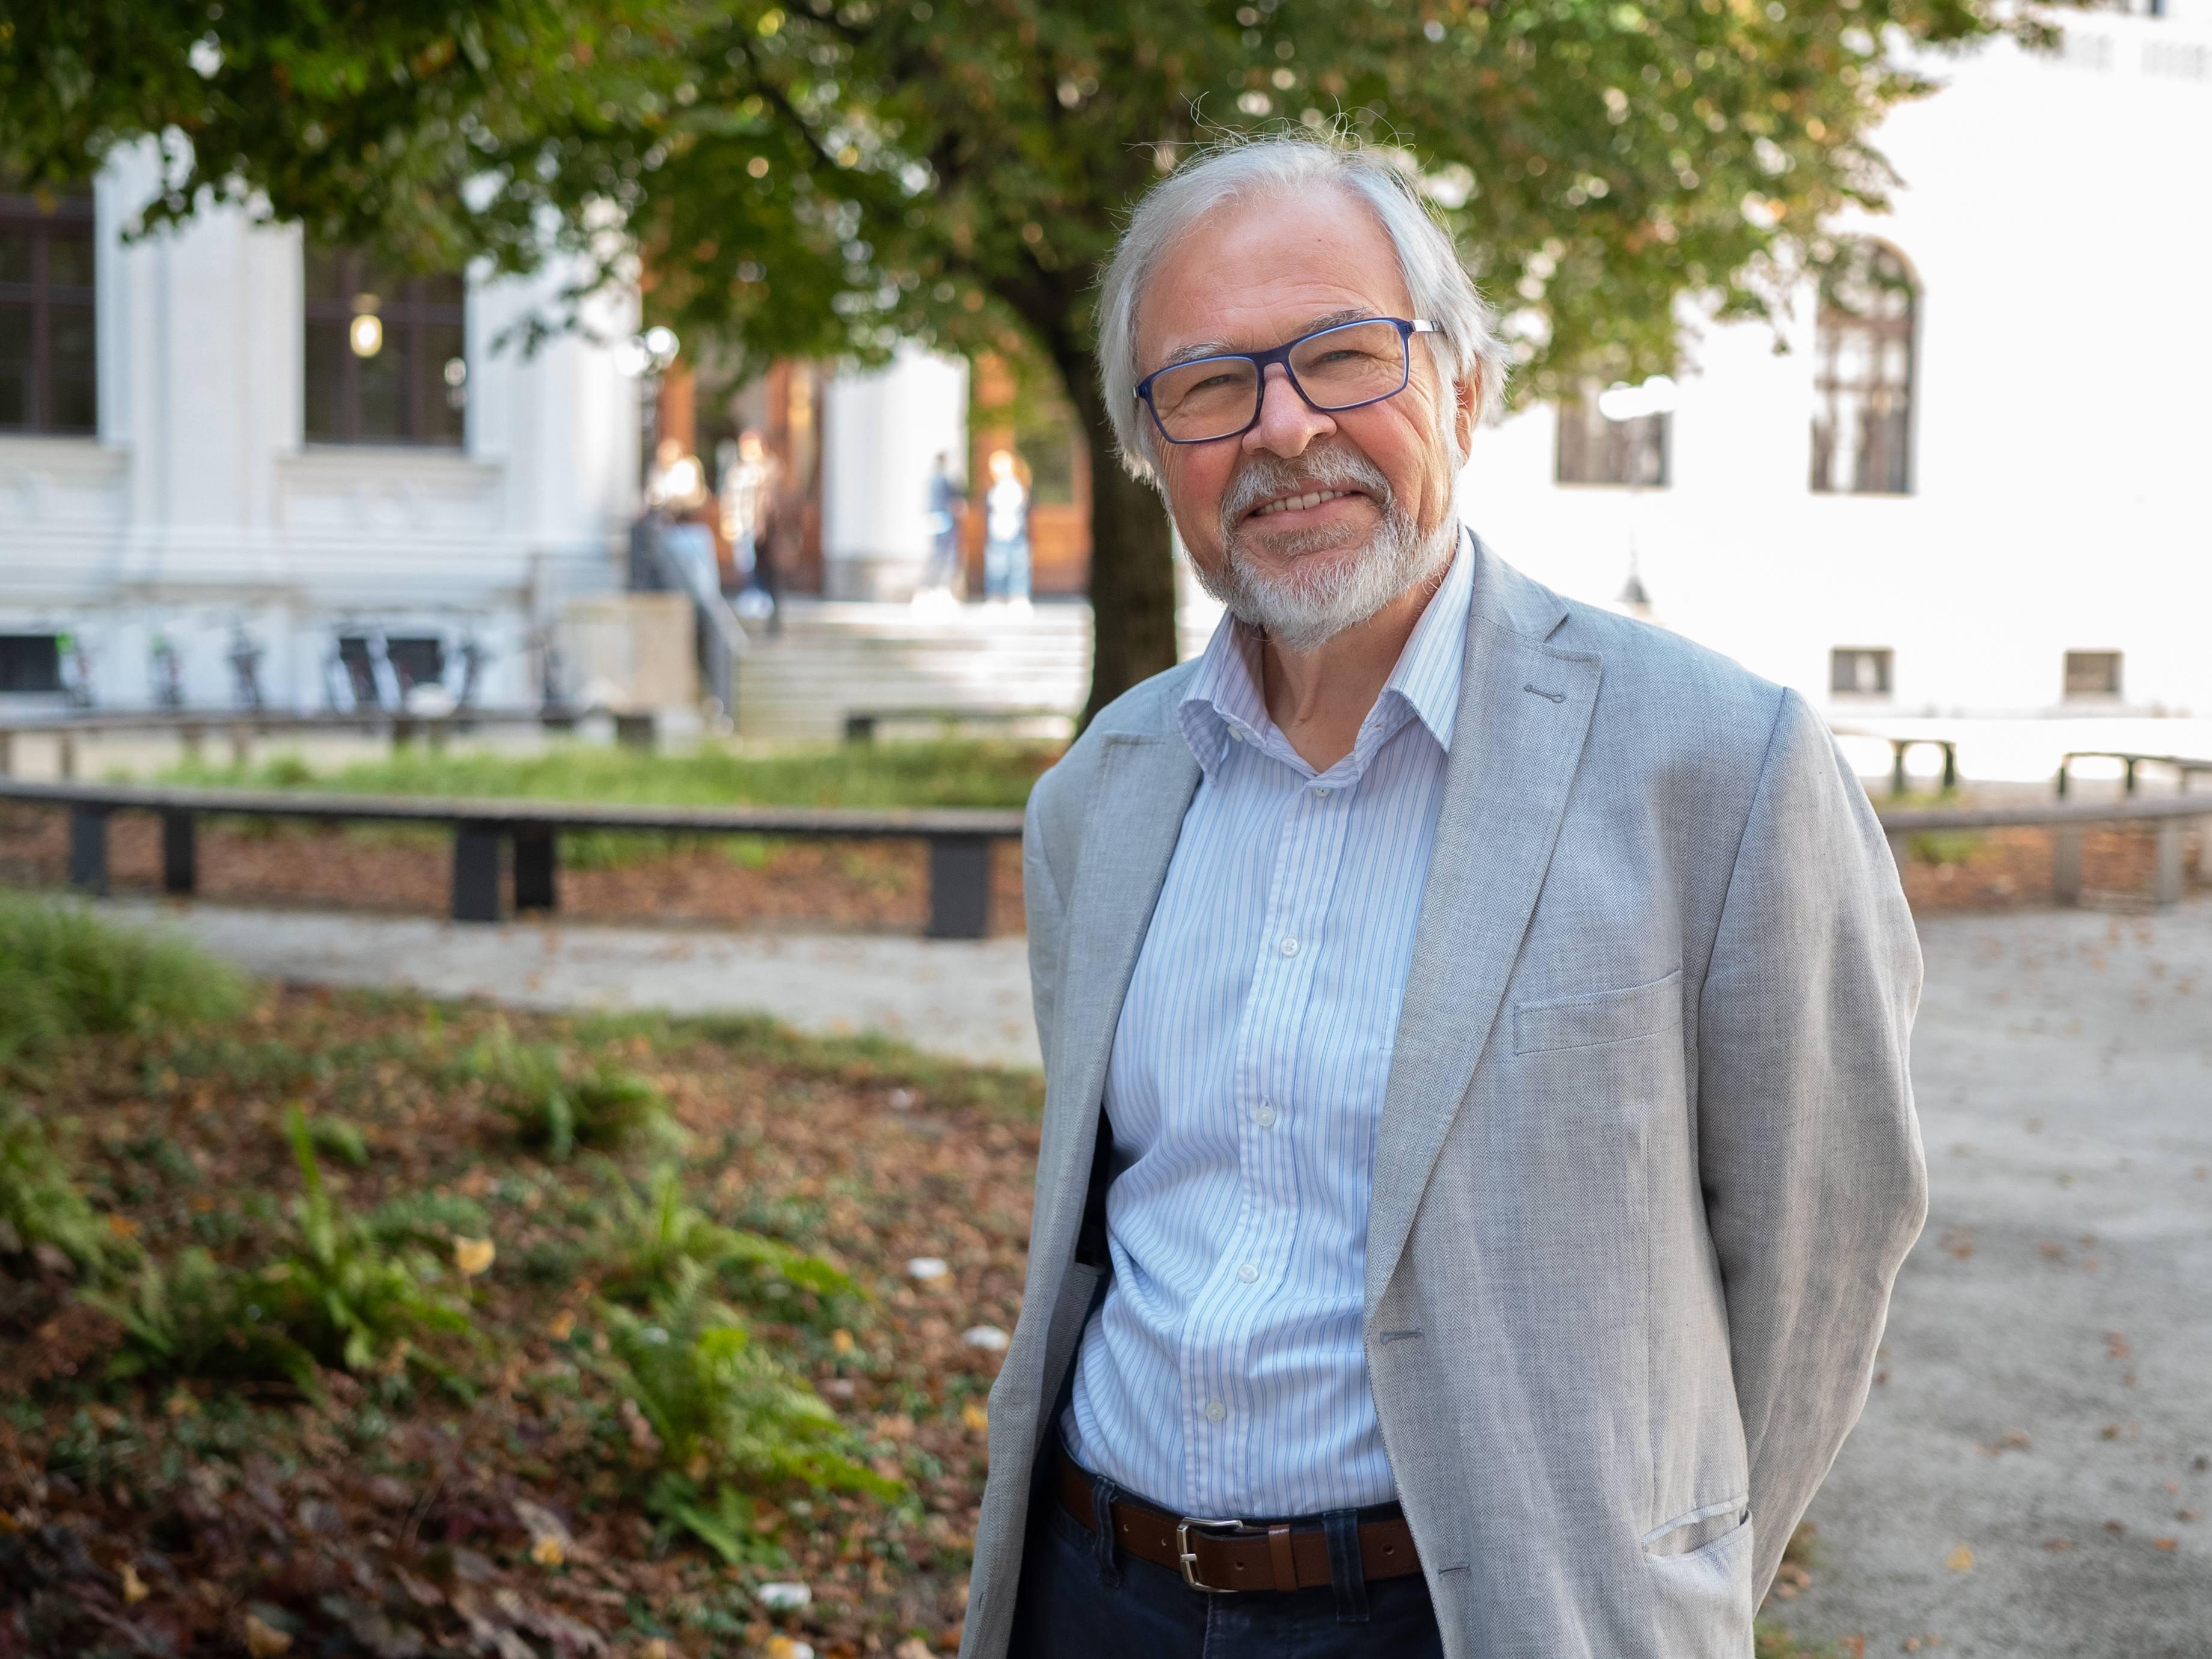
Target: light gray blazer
pixel 1647 1162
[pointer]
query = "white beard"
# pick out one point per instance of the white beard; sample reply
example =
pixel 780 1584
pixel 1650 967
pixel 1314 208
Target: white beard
pixel 1300 609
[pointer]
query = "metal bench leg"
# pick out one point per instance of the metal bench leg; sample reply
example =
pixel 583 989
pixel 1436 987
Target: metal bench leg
pixel 476 872
pixel 65 757
pixel 1897 766
pixel 537 866
pixel 87 865
pixel 6 753
pixel 959 887
pixel 2066 864
pixel 2169 862
pixel 180 852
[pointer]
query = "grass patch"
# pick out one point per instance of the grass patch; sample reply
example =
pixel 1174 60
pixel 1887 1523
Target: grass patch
pixel 984 773
pixel 66 973
pixel 558 1099
pixel 40 1203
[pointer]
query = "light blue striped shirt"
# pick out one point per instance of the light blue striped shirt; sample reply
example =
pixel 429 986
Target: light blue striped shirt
pixel 1223 1373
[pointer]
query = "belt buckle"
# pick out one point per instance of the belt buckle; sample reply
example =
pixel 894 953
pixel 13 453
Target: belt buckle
pixel 1187 1558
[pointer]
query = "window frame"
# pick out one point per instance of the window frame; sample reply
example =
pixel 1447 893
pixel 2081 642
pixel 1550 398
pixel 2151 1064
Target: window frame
pixel 1885 661
pixel 408 311
pixel 21 212
pixel 1830 389
pixel 2117 692
pixel 1622 443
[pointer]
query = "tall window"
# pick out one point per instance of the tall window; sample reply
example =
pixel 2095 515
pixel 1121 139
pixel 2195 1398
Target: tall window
pixel 1862 376
pixel 46 331
pixel 1859 671
pixel 1593 450
pixel 385 358
pixel 2093 673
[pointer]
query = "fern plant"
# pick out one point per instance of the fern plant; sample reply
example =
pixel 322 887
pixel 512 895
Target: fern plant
pixel 559 1103
pixel 729 1416
pixel 337 1297
pixel 651 1235
pixel 40 1204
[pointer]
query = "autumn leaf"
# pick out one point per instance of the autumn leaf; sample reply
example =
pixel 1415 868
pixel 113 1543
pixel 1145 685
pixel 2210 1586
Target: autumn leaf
pixel 1960 1560
pixel 473 1256
pixel 266 1641
pixel 134 1587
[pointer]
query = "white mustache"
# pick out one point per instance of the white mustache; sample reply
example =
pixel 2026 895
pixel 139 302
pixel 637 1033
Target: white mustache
pixel 1265 478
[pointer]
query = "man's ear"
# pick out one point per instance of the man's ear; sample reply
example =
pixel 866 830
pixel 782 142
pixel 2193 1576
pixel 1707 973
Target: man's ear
pixel 1467 398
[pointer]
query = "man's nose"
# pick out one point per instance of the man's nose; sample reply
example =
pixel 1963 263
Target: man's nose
pixel 1287 422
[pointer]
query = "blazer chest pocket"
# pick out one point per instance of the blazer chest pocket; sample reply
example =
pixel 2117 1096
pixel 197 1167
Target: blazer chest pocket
pixel 1599 1017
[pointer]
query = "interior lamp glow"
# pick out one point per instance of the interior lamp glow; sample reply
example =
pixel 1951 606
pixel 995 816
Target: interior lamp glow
pixel 365 334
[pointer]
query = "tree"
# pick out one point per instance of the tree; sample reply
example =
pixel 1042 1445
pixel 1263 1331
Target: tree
pixel 829 175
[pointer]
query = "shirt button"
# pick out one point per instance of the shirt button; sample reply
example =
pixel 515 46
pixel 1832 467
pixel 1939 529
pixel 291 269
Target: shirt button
pixel 1289 947
pixel 1264 1116
pixel 1234 736
pixel 1321 789
pixel 1215 1411
pixel 1248 1272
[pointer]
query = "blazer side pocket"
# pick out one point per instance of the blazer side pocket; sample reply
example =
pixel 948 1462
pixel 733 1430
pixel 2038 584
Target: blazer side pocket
pixel 1600 1016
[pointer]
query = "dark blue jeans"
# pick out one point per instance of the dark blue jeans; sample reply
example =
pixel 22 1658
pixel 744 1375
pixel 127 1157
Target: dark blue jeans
pixel 1076 1604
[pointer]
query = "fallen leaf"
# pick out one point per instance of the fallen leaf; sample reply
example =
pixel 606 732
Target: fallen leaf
pixel 841 1342
pixel 473 1255
pixel 2058 1546
pixel 546 1552
pixel 1960 1560
pixel 975 1417
pixel 134 1587
pixel 266 1641
pixel 914 1648
pixel 2165 1543
pixel 2189 1515
pixel 562 1325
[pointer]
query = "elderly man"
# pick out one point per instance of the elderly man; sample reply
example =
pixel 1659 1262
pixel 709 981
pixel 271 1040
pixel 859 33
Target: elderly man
pixel 1478 1143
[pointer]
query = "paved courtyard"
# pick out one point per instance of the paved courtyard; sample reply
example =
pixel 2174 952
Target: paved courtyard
pixel 2028 1481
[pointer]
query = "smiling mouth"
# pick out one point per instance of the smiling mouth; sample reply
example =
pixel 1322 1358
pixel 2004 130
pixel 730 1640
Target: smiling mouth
pixel 1295 503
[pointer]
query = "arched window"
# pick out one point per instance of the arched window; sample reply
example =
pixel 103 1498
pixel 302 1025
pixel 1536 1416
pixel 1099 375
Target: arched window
pixel 1862 375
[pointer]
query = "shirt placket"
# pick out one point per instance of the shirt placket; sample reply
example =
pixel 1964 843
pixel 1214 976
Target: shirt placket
pixel 1220 1400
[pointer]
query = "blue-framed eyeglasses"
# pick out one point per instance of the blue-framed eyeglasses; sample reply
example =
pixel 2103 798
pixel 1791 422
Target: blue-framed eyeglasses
pixel 1333 369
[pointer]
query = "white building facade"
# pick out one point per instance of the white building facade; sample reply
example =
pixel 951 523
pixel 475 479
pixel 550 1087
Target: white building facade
pixel 2003 511
pixel 219 449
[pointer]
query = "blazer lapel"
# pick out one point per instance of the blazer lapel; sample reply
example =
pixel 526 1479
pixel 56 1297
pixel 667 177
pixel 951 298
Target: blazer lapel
pixel 1524 712
pixel 1131 824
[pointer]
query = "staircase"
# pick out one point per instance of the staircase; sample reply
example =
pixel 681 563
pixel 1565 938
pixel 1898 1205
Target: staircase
pixel 835 657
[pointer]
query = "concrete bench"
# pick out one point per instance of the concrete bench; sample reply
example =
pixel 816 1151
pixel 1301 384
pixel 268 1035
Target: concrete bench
pixel 2184 768
pixel 2067 822
pixel 959 839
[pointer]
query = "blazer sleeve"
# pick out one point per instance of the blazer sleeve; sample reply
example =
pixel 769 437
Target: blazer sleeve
pixel 1809 1146
pixel 1046 916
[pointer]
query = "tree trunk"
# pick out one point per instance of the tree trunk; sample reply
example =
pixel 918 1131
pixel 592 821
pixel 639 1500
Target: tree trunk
pixel 1133 593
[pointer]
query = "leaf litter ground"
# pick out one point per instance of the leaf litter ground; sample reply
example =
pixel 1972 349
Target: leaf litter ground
pixel 498 1512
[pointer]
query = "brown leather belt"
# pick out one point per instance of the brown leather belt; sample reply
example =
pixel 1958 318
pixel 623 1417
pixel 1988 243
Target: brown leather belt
pixel 1237 1555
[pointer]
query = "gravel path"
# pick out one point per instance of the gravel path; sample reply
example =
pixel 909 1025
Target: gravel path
pixel 967 999
pixel 2028 1480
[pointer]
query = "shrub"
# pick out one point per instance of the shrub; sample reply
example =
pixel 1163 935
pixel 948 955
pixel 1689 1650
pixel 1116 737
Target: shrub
pixel 559 1102
pixel 728 1414
pixel 65 972
pixel 40 1204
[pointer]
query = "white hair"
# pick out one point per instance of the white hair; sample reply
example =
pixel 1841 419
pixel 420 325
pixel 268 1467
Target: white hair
pixel 1467 349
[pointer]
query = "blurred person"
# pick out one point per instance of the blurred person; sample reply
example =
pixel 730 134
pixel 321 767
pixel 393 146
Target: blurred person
pixel 676 482
pixel 748 498
pixel 948 505
pixel 1007 532
pixel 1479 1143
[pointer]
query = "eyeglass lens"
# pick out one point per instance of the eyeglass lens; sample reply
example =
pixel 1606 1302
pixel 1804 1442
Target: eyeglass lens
pixel 1216 397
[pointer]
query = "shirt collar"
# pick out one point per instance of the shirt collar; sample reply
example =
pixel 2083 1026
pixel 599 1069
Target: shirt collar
pixel 1223 696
